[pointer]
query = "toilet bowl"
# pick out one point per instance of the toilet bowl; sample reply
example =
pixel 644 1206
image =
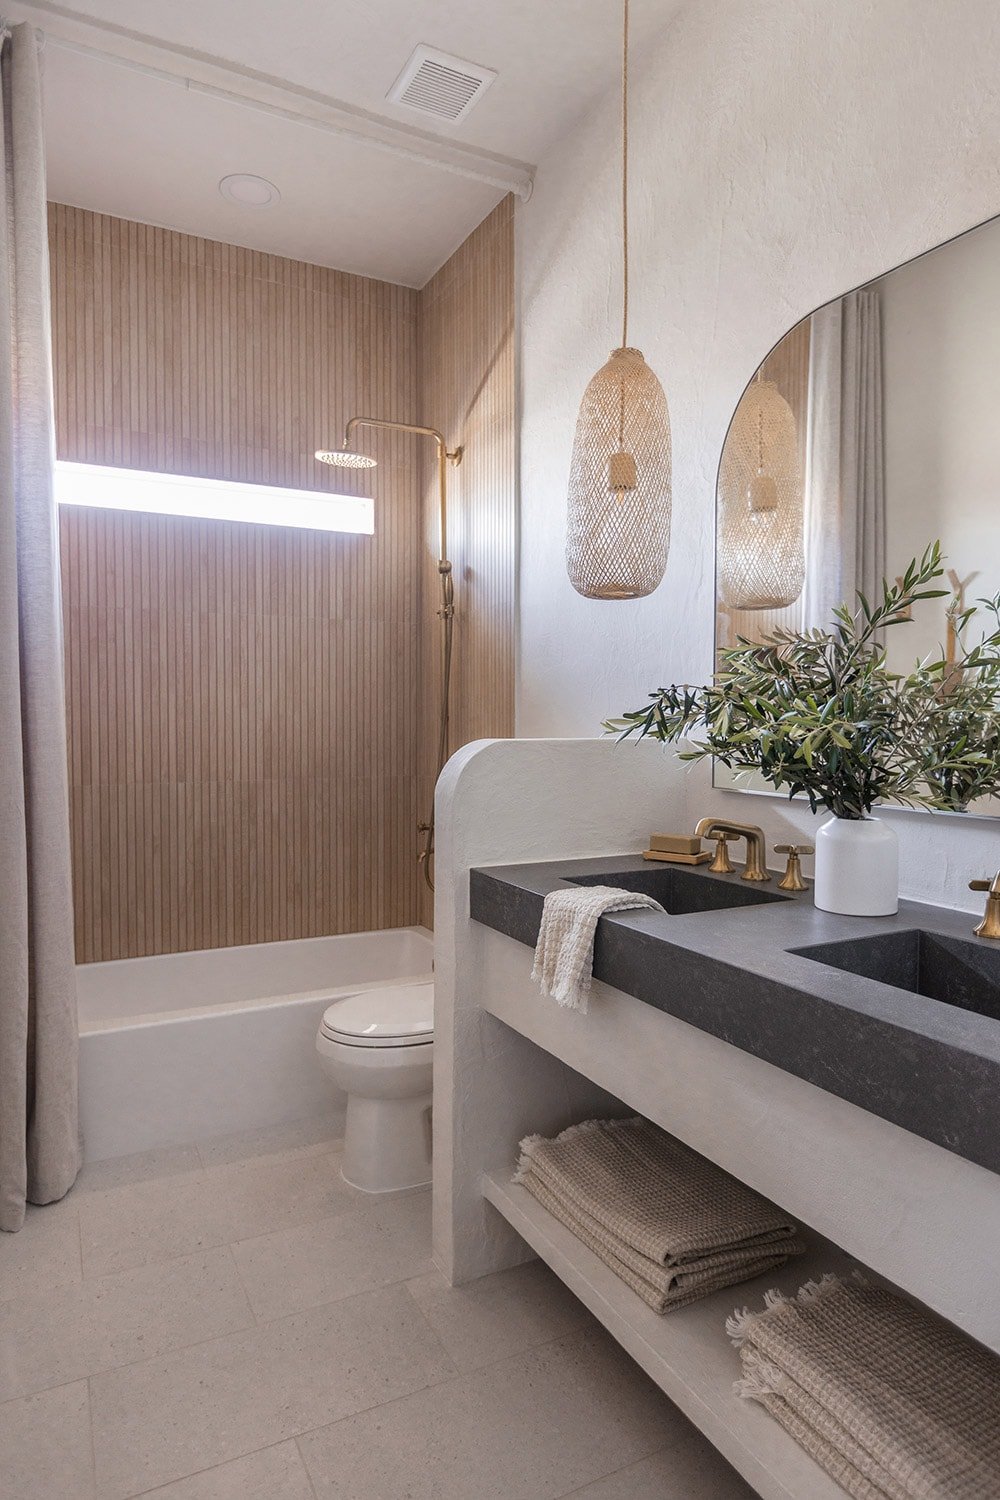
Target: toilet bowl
pixel 377 1045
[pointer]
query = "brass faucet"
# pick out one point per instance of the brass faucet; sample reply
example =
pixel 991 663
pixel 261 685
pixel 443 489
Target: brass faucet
pixel 721 864
pixel 792 878
pixel 989 927
pixel 756 869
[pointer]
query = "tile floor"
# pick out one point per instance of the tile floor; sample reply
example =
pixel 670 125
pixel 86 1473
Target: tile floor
pixel 232 1322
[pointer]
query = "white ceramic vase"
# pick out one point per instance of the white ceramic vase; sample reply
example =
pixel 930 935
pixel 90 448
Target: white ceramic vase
pixel 857 868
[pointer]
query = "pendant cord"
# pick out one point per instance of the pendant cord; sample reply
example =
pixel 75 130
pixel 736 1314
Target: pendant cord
pixel 625 4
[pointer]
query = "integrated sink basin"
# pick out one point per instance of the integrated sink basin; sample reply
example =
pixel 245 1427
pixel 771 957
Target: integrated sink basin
pixel 681 892
pixel 896 1015
pixel 966 975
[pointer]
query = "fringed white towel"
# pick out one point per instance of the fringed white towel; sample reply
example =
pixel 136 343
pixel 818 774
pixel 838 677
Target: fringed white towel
pixel 564 953
pixel 890 1400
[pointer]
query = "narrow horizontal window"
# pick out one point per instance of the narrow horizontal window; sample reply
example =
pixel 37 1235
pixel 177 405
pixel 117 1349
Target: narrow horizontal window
pixel 211 499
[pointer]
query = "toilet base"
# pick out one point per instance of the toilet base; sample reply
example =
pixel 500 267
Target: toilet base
pixel 387 1143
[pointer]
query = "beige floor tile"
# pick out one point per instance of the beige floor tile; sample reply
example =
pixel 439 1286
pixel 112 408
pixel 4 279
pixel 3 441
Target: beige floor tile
pixel 373 1245
pixel 275 1474
pixel 530 1428
pixel 689 1470
pixel 304 1137
pixel 498 1316
pixel 172 1417
pixel 46 1453
pixel 149 1222
pixel 50 1338
pixel 44 1253
pixel 281 1191
pixel 143 1166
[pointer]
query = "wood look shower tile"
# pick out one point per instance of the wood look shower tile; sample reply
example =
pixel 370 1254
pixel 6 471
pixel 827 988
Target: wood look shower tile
pixel 50 1338
pixel 168 1418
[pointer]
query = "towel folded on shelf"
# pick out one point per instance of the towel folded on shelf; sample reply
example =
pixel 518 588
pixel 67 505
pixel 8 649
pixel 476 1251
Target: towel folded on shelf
pixel 670 1224
pixel 891 1401
pixel 564 953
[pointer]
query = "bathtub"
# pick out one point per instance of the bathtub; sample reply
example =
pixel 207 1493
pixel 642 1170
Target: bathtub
pixel 185 1046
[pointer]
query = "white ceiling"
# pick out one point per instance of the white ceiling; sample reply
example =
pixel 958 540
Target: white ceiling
pixel 145 147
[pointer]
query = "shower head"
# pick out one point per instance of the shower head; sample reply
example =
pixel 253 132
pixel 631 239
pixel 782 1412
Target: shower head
pixel 345 458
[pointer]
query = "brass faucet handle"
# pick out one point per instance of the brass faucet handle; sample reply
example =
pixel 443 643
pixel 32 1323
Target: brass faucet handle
pixel 792 878
pixel 721 864
pixel 989 927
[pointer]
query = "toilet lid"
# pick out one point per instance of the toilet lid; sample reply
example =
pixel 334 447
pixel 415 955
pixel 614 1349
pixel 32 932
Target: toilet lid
pixel 395 1016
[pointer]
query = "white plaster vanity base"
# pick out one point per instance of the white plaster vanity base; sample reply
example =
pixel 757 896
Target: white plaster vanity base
pixel 509 1062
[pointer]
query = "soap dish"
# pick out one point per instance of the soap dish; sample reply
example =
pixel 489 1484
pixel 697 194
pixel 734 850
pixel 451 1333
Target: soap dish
pixel 677 859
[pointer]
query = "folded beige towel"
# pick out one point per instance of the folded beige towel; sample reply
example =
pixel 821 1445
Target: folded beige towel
pixel 893 1402
pixel 564 953
pixel 672 1225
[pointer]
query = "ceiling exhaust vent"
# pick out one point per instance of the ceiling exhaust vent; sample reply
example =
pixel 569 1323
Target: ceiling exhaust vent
pixel 435 83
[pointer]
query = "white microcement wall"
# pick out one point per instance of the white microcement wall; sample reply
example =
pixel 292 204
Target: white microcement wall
pixel 783 151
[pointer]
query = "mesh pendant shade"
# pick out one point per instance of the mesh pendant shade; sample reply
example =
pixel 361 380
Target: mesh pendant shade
pixel 619 485
pixel 761 550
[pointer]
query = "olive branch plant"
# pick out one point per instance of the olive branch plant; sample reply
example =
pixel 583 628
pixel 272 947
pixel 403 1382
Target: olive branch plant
pixel 820 713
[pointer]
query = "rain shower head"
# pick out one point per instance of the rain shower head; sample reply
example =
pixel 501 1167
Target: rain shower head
pixel 345 458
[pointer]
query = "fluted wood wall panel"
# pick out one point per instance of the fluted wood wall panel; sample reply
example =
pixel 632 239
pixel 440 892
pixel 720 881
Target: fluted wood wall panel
pixel 243 702
pixel 468 391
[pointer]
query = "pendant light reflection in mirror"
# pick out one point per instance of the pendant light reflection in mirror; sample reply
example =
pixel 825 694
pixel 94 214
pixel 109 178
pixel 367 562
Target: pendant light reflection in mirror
pixel 761 507
pixel 618 529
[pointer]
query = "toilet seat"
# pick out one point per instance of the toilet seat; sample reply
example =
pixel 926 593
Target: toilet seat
pixel 395 1016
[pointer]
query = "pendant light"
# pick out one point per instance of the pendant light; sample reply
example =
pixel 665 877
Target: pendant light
pixel 619 485
pixel 761 504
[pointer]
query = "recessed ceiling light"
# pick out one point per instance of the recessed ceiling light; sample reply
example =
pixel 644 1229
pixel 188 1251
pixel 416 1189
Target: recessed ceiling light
pixel 248 190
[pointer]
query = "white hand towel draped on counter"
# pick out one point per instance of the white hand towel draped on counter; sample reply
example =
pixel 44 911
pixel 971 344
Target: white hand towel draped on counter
pixel 670 1224
pixel 893 1402
pixel 564 953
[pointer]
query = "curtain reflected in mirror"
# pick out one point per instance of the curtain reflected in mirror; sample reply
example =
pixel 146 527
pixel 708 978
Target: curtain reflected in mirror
pixel 869 431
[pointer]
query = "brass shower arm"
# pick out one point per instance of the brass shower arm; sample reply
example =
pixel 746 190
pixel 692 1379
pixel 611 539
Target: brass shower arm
pixel 446 455
pixel 454 454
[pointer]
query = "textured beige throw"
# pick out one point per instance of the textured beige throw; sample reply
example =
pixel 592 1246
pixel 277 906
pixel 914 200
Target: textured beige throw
pixel 891 1401
pixel 564 953
pixel 672 1225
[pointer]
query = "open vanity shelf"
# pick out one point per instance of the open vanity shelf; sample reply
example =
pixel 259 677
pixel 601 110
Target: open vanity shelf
pixel 687 1352
pixel 742 1075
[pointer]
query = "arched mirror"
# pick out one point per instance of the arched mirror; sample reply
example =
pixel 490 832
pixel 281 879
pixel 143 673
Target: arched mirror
pixel 869 431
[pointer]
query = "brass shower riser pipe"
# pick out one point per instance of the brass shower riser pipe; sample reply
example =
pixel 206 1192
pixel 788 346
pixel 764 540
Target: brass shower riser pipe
pixel 446 613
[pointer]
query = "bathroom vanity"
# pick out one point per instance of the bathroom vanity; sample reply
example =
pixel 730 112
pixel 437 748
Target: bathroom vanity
pixel 761 1032
pixel 900 1015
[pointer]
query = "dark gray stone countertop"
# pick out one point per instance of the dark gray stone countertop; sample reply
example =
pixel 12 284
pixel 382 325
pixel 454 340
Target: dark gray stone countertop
pixel 930 1067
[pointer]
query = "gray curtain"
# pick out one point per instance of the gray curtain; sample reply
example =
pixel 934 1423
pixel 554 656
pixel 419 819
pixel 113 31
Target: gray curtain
pixel 39 1131
pixel 845 467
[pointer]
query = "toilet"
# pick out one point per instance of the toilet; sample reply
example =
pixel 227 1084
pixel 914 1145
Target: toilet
pixel 377 1046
